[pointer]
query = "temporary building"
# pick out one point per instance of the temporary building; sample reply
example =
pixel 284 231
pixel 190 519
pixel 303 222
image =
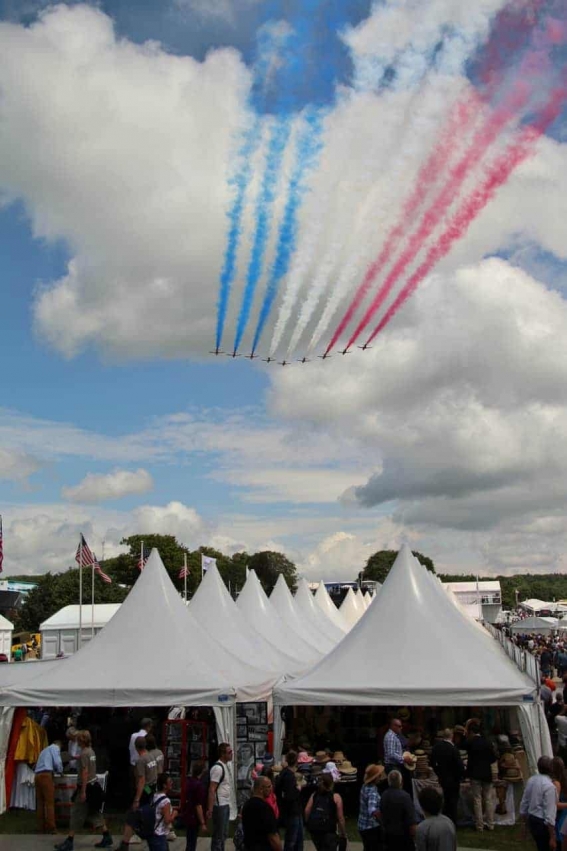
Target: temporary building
pixel 414 648
pixel 306 606
pixel 282 600
pixel 6 629
pixel 259 611
pixel 327 606
pixel 536 625
pixel 351 609
pixel 219 617
pixel 60 632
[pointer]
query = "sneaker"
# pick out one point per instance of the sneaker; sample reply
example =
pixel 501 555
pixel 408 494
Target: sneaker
pixel 171 836
pixel 105 842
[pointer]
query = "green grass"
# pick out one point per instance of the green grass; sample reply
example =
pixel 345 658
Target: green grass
pixel 501 839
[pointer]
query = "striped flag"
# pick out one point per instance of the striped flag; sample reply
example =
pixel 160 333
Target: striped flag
pixel 104 576
pixel 1 545
pixel 144 556
pixel 84 555
pixel 183 572
pixel 206 562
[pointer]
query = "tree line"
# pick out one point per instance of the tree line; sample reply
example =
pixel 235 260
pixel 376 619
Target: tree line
pixel 55 590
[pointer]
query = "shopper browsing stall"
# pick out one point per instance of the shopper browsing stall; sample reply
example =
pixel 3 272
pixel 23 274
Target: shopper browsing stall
pixel 369 825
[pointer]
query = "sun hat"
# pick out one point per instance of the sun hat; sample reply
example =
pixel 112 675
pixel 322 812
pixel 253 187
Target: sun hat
pixel 347 767
pixel 321 756
pixel 373 772
pixel 268 760
pixel 331 768
pixel 303 758
pixel 411 762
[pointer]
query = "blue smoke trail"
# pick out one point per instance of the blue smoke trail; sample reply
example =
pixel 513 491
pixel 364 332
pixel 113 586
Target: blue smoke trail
pixel 278 141
pixel 241 181
pixel 308 148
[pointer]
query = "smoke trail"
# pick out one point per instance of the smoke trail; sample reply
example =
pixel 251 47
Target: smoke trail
pixel 512 26
pixel 460 119
pixel 307 151
pixel 493 126
pixel 279 137
pixel 241 182
pixel 496 176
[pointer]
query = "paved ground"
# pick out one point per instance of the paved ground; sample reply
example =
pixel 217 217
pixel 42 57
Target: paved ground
pixel 26 842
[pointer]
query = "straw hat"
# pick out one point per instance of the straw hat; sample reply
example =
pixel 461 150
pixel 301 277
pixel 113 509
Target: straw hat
pixel 338 757
pixel 347 767
pixel 321 756
pixel 410 761
pixel 303 758
pixel 373 773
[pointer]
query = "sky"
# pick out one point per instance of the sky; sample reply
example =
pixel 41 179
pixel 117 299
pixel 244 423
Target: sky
pixel 121 153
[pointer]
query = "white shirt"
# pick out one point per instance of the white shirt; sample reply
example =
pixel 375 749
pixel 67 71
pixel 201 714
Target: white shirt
pixel 222 793
pixel 561 726
pixel 540 799
pixel 161 828
pixel 133 751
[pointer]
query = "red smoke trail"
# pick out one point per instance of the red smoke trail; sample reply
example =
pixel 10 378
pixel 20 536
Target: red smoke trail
pixel 497 175
pixel 462 116
pixel 493 126
pixel 512 27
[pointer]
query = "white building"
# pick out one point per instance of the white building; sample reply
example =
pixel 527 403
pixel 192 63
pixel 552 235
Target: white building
pixel 482 600
pixel 60 632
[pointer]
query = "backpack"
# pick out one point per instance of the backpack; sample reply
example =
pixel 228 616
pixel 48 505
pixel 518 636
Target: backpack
pixel 145 818
pixel 323 815
pixel 207 781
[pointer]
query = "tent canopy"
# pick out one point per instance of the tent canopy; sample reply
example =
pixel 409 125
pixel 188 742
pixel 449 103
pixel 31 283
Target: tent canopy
pixel 446 660
pixel 308 608
pixel 68 616
pixel 543 625
pixel 328 608
pixel 351 609
pixel 5 623
pixel 149 654
pixel 282 600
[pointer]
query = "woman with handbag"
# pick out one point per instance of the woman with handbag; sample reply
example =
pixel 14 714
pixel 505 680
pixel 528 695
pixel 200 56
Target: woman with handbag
pixel 323 814
pixel 88 797
pixel 369 825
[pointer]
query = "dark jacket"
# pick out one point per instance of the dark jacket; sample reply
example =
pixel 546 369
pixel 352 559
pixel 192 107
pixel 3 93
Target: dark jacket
pixel 288 795
pixel 481 756
pixel 447 764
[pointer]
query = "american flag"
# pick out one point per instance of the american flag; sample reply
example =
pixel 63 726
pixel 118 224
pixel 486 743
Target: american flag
pixel 1 545
pixel 84 555
pixel 104 576
pixel 183 572
pixel 144 556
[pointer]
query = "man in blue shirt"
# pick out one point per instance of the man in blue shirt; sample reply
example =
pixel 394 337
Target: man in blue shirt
pixel 48 763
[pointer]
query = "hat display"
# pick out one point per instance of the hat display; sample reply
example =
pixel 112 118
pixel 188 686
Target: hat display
pixel 421 765
pixel 303 758
pixel 338 757
pixel 331 768
pixel 373 772
pixel 321 756
pixel 268 760
pixel 348 768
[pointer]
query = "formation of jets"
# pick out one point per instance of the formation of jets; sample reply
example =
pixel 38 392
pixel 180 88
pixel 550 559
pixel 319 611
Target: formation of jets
pixel 284 362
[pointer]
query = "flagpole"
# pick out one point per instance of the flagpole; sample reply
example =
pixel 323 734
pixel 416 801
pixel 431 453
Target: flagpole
pixel 141 556
pixel 185 577
pixel 80 593
pixel 92 597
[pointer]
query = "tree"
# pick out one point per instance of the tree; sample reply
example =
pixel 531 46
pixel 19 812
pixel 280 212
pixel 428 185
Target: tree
pixel 53 591
pixel 379 564
pixel 268 565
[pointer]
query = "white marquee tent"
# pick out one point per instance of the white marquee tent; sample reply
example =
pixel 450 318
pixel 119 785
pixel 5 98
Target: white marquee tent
pixel 351 609
pixel 259 611
pixel 536 625
pixel 282 600
pixel 446 660
pixel 328 608
pixel 308 609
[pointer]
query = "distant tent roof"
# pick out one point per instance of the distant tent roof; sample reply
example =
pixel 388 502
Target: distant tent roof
pixel 68 616
pixel 281 598
pixel 351 609
pixel 412 620
pixel 534 625
pixel 5 623
pixel 308 609
pixel 325 603
pixel 150 653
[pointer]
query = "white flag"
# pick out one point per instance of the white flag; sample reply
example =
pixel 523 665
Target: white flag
pixel 206 562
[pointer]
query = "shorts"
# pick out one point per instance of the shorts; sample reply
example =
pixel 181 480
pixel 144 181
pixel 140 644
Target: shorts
pixel 80 814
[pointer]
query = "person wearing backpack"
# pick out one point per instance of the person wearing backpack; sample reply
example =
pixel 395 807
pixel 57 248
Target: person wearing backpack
pixel 193 814
pixel 323 813
pixel 218 798
pixel 289 802
pixel 164 814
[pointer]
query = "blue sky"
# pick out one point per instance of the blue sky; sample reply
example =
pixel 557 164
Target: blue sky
pixel 115 419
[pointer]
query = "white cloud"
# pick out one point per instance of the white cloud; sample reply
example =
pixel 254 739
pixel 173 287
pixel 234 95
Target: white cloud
pixel 17 466
pixel 114 485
